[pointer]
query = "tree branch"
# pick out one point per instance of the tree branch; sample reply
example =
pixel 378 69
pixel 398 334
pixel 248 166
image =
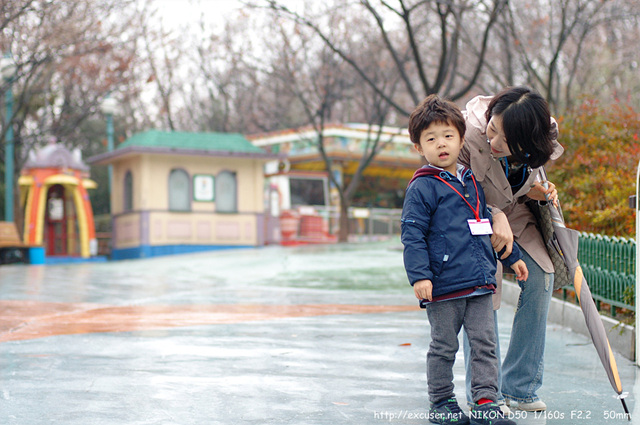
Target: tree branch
pixel 297 18
pixel 392 51
pixel 495 12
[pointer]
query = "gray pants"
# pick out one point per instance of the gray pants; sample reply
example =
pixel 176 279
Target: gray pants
pixel 446 318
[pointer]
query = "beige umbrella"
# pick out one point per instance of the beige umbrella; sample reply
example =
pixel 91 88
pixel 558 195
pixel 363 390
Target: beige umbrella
pixel 565 241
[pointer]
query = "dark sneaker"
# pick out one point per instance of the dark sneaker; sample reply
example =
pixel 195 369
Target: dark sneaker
pixel 447 412
pixel 489 414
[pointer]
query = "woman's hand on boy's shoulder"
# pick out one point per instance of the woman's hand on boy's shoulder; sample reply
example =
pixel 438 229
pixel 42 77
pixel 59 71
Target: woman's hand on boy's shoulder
pixel 502 237
pixel 423 289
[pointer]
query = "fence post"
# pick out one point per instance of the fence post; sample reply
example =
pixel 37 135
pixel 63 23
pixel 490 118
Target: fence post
pixel 371 224
pixel 637 209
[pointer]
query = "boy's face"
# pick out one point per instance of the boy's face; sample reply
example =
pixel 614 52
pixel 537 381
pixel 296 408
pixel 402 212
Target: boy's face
pixel 440 145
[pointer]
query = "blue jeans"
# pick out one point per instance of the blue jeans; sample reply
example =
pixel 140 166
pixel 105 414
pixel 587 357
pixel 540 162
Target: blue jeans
pixel 520 374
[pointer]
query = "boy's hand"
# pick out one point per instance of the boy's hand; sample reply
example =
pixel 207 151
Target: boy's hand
pixel 423 288
pixel 521 271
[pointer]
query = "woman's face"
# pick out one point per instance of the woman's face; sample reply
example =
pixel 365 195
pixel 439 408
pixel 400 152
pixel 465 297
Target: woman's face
pixel 495 136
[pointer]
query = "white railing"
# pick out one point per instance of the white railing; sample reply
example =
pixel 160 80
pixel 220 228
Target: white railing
pixel 364 222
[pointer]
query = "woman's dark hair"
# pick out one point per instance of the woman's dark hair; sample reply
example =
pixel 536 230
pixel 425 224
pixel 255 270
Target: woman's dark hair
pixel 526 123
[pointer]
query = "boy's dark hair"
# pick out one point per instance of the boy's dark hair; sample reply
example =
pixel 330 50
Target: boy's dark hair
pixel 434 109
pixel 526 123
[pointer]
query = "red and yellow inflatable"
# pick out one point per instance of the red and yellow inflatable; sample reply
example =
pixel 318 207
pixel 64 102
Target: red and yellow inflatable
pixel 57 209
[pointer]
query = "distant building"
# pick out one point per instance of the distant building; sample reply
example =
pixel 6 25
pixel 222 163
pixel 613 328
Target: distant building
pixel 300 190
pixel 176 192
pixel 385 178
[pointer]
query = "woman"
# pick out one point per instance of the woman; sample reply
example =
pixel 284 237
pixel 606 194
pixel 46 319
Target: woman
pixel 509 136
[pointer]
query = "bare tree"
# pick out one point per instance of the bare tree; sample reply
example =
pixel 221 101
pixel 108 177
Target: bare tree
pixel 326 88
pixel 551 39
pixel 429 31
pixel 69 55
pixel 605 65
pixel 163 57
pixel 224 76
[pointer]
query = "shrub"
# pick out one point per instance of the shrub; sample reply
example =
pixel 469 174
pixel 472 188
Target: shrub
pixel 597 173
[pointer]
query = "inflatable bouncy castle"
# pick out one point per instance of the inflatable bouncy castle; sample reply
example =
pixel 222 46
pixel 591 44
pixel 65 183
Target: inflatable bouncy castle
pixel 57 210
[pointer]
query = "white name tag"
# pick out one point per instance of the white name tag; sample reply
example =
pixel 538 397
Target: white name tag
pixel 482 227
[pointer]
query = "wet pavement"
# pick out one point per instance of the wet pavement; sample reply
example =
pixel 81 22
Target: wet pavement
pixel 275 335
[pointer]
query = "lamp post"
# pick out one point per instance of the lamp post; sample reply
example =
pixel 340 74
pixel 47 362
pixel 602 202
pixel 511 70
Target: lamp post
pixel 8 70
pixel 109 107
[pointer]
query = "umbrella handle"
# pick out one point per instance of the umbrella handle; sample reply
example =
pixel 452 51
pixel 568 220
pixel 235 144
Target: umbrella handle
pixel 545 184
pixel 544 181
pixel 556 213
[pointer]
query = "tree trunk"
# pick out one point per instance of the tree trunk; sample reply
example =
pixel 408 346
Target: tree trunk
pixel 343 232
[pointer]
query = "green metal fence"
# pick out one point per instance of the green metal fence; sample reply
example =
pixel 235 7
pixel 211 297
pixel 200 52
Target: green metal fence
pixel 609 265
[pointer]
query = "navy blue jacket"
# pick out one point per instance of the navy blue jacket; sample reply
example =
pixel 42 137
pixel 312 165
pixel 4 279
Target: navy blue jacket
pixel 438 244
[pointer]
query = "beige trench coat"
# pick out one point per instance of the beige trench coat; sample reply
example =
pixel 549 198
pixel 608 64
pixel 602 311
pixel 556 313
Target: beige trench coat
pixel 476 154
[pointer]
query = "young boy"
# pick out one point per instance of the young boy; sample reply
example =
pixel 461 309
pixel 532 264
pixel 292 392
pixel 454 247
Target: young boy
pixel 451 264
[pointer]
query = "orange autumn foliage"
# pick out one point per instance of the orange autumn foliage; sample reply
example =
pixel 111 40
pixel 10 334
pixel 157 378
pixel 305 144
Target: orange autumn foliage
pixel 597 173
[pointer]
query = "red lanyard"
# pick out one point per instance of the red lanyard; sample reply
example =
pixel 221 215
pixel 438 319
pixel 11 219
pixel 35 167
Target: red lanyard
pixel 476 210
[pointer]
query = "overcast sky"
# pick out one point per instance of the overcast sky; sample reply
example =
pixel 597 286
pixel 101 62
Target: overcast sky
pixel 178 13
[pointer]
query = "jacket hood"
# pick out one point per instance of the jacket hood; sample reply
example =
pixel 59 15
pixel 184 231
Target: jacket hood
pixel 428 170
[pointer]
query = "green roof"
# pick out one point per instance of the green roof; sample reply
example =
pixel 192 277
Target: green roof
pixel 221 142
